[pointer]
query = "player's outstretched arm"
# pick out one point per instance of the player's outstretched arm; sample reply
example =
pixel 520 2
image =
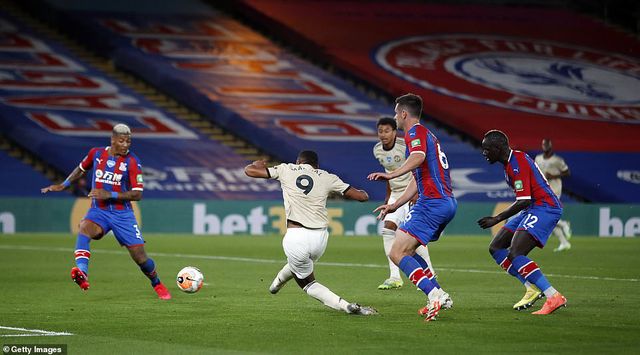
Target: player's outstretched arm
pixel 488 222
pixel 354 194
pixel 257 169
pixel 408 194
pixel 412 162
pixel 75 175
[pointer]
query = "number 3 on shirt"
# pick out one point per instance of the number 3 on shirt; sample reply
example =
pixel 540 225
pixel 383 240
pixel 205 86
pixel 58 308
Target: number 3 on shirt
pixel 443 158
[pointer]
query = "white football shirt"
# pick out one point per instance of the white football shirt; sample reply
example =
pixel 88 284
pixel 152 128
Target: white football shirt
pixel 305 191
pixel 554 165
pixel 391 160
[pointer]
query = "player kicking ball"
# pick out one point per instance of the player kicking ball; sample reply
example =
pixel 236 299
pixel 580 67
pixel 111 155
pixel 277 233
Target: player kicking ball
pixel 539 212
pixel 116 180
pixel 305 189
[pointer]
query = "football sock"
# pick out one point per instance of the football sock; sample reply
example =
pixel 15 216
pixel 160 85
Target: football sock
pixel 149 269
pixel 550 292
pixel 500 256
pixel 83 253
pixel 559 232
pixel 531 272
pixel 324 295
pixel 285 274
pixel 388 236
pixel 410 266
pixel 426 268
pixel 423 251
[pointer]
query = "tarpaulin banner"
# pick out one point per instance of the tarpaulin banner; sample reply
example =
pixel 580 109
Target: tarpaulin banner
pixel 58 107
pixel 530 72
pixel 280 103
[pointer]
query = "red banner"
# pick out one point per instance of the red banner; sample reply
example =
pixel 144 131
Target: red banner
pixel 532 73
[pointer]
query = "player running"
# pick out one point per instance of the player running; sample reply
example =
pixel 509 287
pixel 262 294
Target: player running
pixel 305 189
pixel 539 210
pixel 390 152
pixel 116 180
pixel 435 206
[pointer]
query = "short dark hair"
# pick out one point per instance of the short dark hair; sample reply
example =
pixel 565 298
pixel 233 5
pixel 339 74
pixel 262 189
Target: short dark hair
pixel 497 137
pixel 308 157
pixel 411 103
pixel 389 121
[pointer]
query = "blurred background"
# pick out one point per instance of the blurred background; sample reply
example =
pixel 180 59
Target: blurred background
pixel 208 87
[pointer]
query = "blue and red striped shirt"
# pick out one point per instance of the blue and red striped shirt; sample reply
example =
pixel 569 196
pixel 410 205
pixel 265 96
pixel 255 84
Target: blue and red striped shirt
pixel 528 182
pixel 432 176
pixel 113 174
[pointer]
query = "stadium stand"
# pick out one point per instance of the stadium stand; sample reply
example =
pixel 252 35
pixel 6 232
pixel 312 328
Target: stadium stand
pixel 57 107
pixel 18 178
pixel 532 72
pixel 261 92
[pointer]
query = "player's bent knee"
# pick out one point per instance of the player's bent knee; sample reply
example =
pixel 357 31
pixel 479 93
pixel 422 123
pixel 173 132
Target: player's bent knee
pixel 90 229
pixel 390 225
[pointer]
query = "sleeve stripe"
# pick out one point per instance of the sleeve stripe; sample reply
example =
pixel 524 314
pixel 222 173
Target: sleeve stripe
pixel 347 189
pixel 268 173
pixel 523 198
pixel 137 189
pixel 418 151
pixel 80 166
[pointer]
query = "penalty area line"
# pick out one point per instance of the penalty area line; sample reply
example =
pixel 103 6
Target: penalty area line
pixel 32 332
pixel 274 261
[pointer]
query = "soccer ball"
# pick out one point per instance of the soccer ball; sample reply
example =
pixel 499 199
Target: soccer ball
pixel 190 279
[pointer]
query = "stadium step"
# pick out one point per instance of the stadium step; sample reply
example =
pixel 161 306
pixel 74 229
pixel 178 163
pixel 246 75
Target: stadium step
pixel 191 118
pixel 16 151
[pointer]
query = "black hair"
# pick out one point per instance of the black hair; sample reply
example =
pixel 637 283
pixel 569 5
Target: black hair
pixel 497 137
pixel 308 157
pixel 387 121
pixel 411 103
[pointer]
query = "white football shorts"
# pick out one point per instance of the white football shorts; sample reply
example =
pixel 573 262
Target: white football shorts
pixel 399 215
pixel 303 247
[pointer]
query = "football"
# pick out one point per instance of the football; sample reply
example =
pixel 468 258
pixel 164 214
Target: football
pixel 190 279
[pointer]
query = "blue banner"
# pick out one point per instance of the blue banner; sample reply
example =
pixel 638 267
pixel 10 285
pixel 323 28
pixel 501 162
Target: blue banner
pixel 277 101
pixel 59 107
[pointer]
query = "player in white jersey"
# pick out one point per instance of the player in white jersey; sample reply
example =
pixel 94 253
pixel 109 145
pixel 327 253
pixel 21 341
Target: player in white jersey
pixel 305 189
pixel 391 152
pixel 554 169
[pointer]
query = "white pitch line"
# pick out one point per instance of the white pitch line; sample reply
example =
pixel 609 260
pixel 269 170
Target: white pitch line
pixel 33 332
pixel 274 261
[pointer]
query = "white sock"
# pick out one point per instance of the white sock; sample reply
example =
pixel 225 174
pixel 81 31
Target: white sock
pixel 324 295
pixel 550 292
pixel 423 251
pixel 528 284
pixel 388 236
pixel 558 232
pixel 284 275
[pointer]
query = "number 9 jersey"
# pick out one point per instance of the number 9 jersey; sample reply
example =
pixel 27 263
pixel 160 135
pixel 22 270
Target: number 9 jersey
pixel 305 190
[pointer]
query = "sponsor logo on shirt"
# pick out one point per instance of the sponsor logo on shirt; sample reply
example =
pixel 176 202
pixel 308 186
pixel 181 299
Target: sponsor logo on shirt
pixel 108 177
pixel 415 143
pixel 518 185
pixel 139 179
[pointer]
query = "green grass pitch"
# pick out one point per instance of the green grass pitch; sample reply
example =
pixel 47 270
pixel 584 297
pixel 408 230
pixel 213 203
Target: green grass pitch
pixel 234 312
